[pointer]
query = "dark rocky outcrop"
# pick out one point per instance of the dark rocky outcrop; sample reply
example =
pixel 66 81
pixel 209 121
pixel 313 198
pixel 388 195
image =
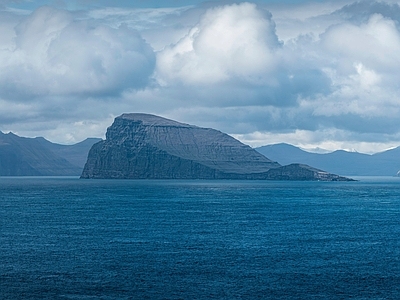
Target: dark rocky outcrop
pixel 302 172
pixel 143 146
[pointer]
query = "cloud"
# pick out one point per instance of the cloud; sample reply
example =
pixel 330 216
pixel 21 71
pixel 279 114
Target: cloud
pixel 235 53
pixel 360 12
pixel 344 78
pixel 230 42
pixel 55 54
pixel 374 42
pixel 361 62
pixel 58 68
pixel 324 73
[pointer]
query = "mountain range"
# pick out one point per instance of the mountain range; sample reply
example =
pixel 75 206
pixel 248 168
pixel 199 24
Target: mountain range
pixel 385 163
pixel 20 156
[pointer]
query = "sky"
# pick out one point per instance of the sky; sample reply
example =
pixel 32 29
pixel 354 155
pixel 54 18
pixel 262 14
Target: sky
pixel 315 74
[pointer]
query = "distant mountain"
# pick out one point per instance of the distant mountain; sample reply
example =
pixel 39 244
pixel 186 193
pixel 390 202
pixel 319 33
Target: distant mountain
pixel 20 156
pixel 76 154
pixel 386 163
pixel 143 146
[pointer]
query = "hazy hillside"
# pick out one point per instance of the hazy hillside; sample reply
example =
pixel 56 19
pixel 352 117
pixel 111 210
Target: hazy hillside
pixel 76 154
pixel 340 162
pixel 21 156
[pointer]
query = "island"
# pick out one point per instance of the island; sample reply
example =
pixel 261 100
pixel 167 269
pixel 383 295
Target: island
pixel 145 146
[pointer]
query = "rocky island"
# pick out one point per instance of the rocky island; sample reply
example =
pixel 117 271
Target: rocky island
pixel 144 146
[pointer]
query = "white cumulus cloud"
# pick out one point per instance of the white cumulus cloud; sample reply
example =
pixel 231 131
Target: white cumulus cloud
pixel 53 53
pixel 314 74
pixel 230 42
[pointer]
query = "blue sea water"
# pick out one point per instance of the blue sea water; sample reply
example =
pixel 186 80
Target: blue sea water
pixel 66 238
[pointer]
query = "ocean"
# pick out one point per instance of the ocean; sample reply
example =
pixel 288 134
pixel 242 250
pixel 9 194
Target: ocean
pixel 67 238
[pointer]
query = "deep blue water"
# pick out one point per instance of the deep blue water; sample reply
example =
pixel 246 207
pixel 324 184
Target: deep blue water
pixel 66 238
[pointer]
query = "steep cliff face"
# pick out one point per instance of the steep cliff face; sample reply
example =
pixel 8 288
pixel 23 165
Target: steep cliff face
pixel 147 146
pixel 140 146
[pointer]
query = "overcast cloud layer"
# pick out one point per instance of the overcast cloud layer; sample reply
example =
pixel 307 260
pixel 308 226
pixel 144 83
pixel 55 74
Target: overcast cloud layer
pixel 320 74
